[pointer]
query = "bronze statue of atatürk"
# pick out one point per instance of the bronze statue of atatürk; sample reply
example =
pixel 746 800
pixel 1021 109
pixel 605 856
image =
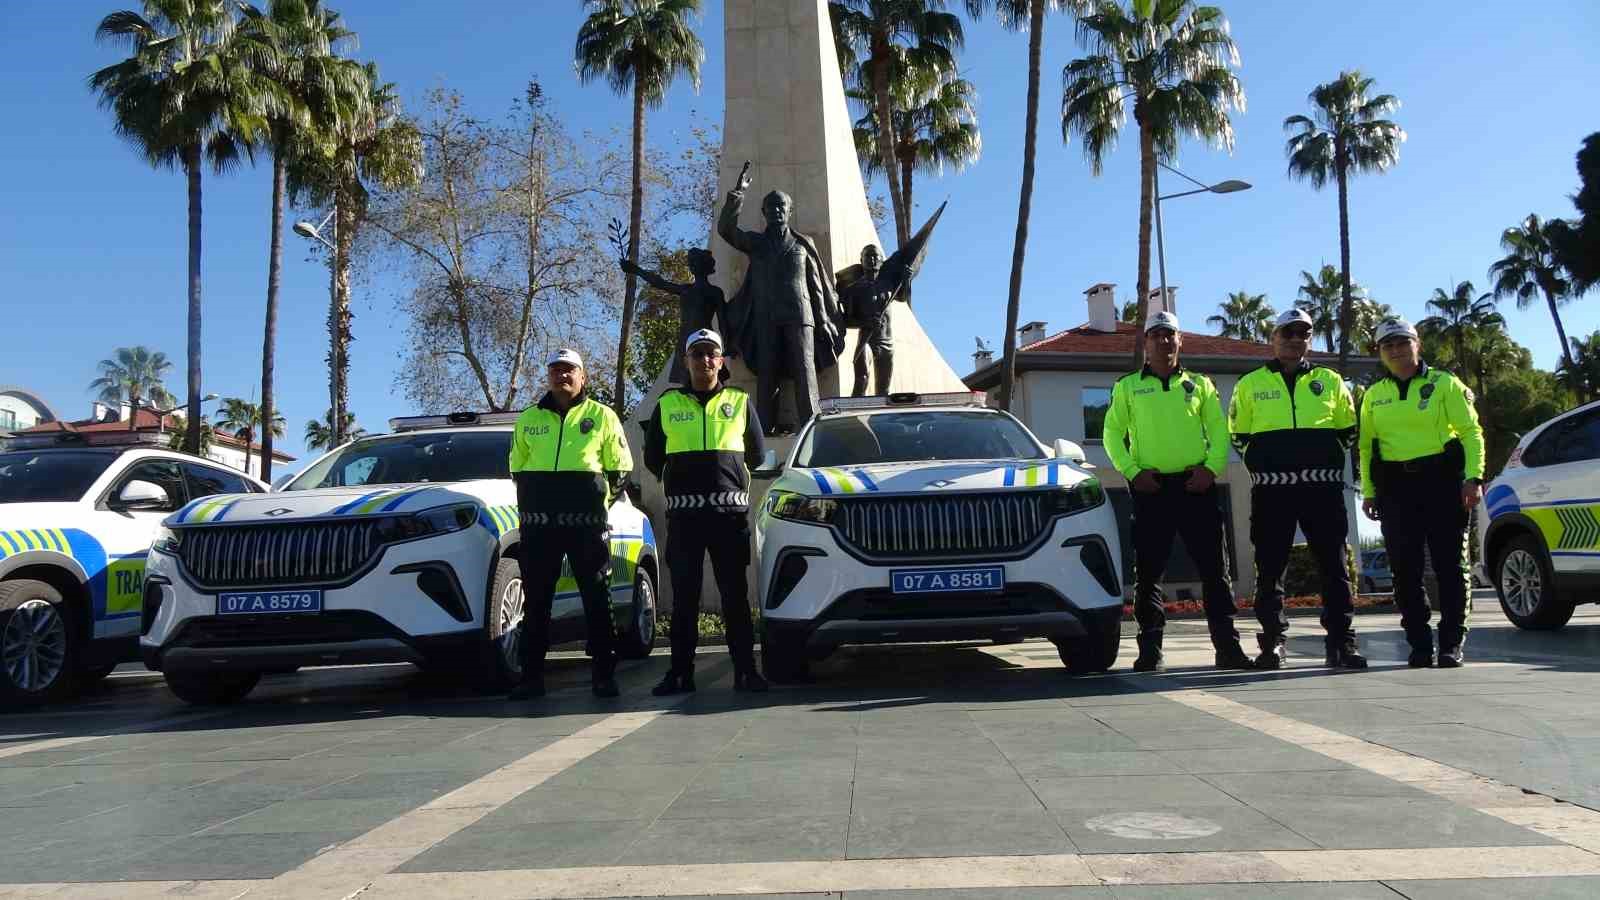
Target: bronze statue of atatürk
pixel 698 302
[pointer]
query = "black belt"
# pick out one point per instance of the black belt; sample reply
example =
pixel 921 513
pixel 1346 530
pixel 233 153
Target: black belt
pixel 1438 462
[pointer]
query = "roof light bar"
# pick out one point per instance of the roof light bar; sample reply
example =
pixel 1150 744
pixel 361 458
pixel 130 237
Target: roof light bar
pixel 903 399
pixel 418 423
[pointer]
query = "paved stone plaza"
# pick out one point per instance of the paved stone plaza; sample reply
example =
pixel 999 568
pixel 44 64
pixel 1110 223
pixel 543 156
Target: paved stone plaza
pixel 930 771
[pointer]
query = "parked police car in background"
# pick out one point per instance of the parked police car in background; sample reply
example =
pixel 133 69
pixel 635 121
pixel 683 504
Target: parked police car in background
pixel 76 522
pixel 924 518
pixel 394 548
pixel 1540 528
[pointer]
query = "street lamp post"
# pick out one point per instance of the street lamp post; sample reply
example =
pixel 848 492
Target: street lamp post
pixel 1224 187
pixel 314 232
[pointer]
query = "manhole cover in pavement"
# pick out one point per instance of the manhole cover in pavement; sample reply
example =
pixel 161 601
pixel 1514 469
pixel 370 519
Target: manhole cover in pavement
pixel 1153 826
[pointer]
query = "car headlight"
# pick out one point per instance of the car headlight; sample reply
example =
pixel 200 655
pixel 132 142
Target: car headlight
pixel 427 523
pixel 168 540
pixel 800 508
pixel 1085 495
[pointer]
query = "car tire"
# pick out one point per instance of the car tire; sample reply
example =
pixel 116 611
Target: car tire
pixel 212 688
pixel 1097 650
pixel 39 644
pixel 783 657
pixel 93 675
pixel 1526 586
pixel 499 666
pixel 637 637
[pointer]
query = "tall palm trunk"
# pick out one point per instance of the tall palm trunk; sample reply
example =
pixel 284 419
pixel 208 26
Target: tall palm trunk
pixel 269 339
pixel 339 315
pixel 631 283
pixel 1561 332
pixel 907 167
pixel 1341 165
pixel 191 165
pixel 1147 201
pixel 1030 140
pixel 886 137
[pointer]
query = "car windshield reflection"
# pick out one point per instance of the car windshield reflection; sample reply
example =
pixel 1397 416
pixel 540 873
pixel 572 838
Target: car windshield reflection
pixel 915 436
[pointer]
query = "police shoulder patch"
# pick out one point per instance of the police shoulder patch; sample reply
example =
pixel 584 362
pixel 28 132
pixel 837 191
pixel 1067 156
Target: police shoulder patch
pixel 1188 386
pixel 586 426
pixel 1316 388
pixel 727 410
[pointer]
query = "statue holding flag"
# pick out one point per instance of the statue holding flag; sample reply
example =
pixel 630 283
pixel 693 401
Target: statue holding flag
pixel 867 291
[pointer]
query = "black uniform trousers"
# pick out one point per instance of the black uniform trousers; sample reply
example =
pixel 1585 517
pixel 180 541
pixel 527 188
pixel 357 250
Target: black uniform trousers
pixel 1319 511
pixel 588 549
pixel 1158 518
pixel 727 537
pixel 1421 508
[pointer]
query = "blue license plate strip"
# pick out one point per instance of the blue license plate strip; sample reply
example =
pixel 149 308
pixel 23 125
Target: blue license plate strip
pixel 255 603
pixel 964 579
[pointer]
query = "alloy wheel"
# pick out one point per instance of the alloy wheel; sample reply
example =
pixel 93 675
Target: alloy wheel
pixel 33 647
pixel 644 611
pixel 510 611
pixel 1521 582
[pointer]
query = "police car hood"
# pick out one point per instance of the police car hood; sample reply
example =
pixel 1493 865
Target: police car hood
pixel 322 503
pixel 920 477
pixel 15 516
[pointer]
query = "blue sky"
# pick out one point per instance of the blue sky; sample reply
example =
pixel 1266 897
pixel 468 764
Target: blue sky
pixel 92 249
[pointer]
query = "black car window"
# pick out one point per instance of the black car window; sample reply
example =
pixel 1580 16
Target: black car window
pixel 206 480
pixel 166 474
pixel 401 459
pixel 45 476
pixel 915 436
pixel 1580 441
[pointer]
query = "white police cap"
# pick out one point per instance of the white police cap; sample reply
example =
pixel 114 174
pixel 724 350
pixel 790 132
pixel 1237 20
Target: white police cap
pixel 1162 319
pixel 566 356
pixel 703 336
pixel 1294 315
pixel 1389 328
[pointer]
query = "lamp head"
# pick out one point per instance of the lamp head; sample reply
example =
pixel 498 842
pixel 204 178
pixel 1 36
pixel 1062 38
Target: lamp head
pixel 306 229
pixel 1230 186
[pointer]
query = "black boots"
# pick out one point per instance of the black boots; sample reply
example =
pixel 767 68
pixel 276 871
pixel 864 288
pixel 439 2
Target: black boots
pixel 1230 655
pixel 603 677
pixel 1420 658
pixel 749 680
pixel 1451 657
pixel 1150 659
pixel 1345 653
pixel 1273 651
pixel 531 686
pixel 675 683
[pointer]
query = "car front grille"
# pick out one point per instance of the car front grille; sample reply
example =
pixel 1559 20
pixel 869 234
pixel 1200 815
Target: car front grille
pixel 963 525
pixel 288 554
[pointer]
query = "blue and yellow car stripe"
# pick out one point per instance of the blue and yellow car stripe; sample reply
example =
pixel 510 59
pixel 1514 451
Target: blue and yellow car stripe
pixel 1032 476
pixel 833 480
pixel 116 582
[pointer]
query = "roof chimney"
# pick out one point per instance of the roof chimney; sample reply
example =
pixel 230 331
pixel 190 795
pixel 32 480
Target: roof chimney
pixel 1030 333
pixel 1102 307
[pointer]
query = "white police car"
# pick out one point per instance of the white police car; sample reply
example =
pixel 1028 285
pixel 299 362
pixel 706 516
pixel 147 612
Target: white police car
pixel 76 522
pixel 930 518
pixel 392 548
pixel 1539 531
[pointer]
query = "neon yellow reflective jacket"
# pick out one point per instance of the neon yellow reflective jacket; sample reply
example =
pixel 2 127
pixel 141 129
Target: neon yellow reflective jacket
pixel 560 462
pixel 1417 418
pixel 701 446
pixel 1168 424
pixel 1298 431
pixel 689 426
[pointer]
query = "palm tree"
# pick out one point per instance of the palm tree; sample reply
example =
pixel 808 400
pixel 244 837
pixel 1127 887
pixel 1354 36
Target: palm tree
pixel 640 46
pixel 243 419
pixel 1369 314
pixel 318 88
pixel 1017 15
pixel 1350 133
pixel 186 94
pixel 180 433
pixel 323 436
pixel 1581 374
pixel 887 45
pixel 1530 268
pixel 936 125
pixel 1320 296
pixel 1174 61
pixel 1244 316
pixel 1456 314
pixel 133 374
pixel 370 145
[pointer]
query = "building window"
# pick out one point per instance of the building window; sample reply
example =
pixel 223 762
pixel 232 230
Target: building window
pixel 8 420
pixel 1096 400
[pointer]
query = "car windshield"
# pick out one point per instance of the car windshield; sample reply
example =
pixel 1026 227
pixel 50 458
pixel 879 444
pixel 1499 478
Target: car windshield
pixel 50 476
pixel 407 458
pixel 915 436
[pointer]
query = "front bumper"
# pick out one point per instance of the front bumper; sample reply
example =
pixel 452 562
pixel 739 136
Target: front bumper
pixel 420 600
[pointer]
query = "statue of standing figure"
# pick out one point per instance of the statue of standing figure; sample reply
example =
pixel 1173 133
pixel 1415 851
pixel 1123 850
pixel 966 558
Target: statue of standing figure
pixel 785 320
pixel 698 301
pixel 868 291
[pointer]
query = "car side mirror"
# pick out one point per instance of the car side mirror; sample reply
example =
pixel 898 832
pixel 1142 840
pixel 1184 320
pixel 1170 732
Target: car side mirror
pixel 770 468
pixel 281 480
pixel 1070 452
pixel 139 494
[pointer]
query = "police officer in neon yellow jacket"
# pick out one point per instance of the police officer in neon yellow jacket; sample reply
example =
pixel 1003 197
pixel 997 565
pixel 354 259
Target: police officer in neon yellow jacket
pixel 568 455
pixel 1421 475
pixel 1165 432
pixel 702 443
pixel 1293 423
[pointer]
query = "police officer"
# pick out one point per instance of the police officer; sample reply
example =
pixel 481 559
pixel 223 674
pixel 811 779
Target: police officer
pixel 568 456
pixel 701 443
pixel 1421 475
pixel 1292 423
pixel 1166 434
